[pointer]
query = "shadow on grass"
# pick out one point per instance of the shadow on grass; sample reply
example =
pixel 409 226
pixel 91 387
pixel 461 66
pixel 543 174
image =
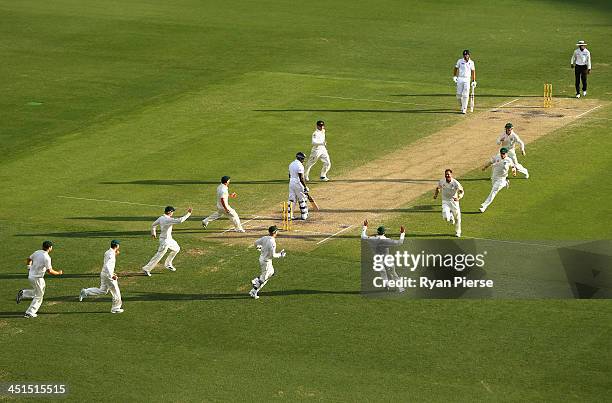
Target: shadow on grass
pixel 19 315
pixel 435 111
pixel 172 182
pixel 102 234
pixel 477 95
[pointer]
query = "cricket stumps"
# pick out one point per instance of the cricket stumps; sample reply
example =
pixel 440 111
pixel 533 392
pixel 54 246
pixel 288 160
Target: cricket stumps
pixel 548 95
pixel 287 221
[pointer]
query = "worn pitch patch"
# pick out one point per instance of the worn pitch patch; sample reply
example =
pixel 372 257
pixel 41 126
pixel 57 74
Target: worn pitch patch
pixel 379 188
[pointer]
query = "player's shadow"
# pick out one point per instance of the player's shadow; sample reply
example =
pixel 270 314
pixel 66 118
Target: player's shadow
pixel 114 218
pixel 161 296
pixel 19 314
pixel 24 275
pixel 433 110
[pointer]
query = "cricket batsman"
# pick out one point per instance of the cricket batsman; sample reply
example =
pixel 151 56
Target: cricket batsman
pixel 297 187
pixel 464 75
pixel 452 192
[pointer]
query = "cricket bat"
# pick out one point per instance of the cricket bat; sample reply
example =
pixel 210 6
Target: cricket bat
pixel 313 202
pixel 472 99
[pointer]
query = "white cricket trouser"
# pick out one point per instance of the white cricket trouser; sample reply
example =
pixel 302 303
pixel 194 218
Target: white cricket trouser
pixel 497 185
pixel 519 167
pixel 318 152
pixel 220 213
pixel 36 293
pixel 389 273
pixel 106 285
pixel 297 195
pixel 463 92
pixel 452 213
pixel 267 271
pixel 164 245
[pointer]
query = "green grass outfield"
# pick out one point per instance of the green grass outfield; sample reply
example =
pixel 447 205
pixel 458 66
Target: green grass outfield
pixel 152 102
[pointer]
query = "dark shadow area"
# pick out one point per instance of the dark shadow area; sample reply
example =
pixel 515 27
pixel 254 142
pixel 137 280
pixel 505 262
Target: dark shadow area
pixel 114 218
pixel 438 110
pixel 477 95
pixel 19 315
pixel 24 276
pixel 171 182
pixel 103 234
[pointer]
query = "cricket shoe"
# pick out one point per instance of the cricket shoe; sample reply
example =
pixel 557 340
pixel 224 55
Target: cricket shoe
pixel 507 184
pixel 82 295
pixel 118 310
pixel 204 224
pixel 481 209
pixel 240 230
pixel 19 296
pixel 458 234
pixel 324 179
pixel 171 268
pixel 255 283
pixel 30 315
pixel 253 294
pixel 584 93
pixel 577 95
pixel 527 176
pixel 146 272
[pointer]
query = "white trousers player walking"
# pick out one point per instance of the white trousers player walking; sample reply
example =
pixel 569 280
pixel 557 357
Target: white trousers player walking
pixel 318 153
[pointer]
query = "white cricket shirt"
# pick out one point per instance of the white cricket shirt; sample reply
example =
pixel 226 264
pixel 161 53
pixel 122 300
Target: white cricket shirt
pixel 509 141
pixel 318 138
pixel 41 262
pixel 165 225
pixel 500 167
pixel 108 269
pixel 222 193
pixel 465 68
pixel 268 247
pixel 449 189
pixel 295 168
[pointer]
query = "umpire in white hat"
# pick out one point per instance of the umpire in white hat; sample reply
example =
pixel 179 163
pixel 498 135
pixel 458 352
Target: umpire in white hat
pixel 581 63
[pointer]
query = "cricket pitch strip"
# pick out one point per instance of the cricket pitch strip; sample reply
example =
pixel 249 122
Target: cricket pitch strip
pixel 378 189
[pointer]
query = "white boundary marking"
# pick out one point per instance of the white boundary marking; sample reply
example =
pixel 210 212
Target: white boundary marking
pixel 244 222
pixel 109 201
pixel 337 233
pixel 590 110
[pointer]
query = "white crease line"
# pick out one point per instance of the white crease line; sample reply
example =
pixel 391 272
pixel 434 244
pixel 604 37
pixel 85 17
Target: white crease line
pixel 244 222
pixel 337 233
pixel 312 232
pixel 109 201
pixel 590 110
pixel 506 104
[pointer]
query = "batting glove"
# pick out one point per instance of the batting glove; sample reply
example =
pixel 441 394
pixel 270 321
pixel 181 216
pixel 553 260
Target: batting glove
pixel 306 190
pixel 455 79
pixel 259 248
pixel 283 253
pixel 473 84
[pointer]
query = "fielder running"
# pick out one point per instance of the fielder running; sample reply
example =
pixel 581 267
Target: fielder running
pixel 108 279
pixel 267 246
pixel 380 245
pixel 223 207
pixel 297 186
pixel 452 192
pixel 464 73
pixel 38 263
pixel 166 241
pixel 500 164
pixel 319 151
pixel 509 139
